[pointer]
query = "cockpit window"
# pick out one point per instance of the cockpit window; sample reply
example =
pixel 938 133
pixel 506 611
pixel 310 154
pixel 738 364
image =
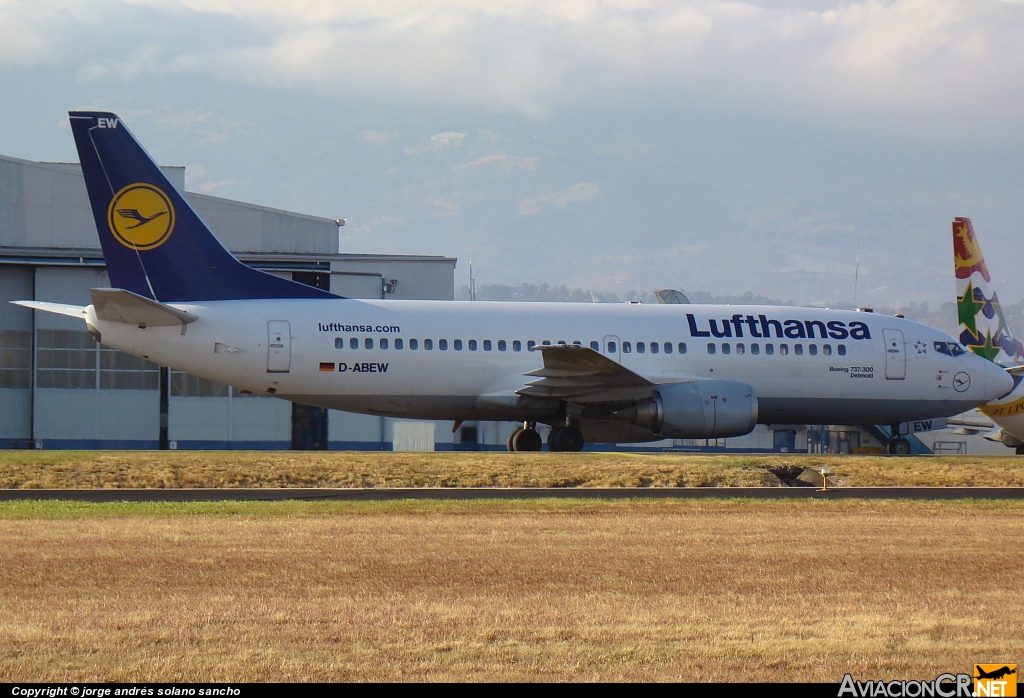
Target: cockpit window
pixel 949 348
pixel 942 348
pixel 956 349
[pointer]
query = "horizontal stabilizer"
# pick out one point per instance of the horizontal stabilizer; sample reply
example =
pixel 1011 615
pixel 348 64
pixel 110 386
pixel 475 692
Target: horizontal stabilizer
pixel 118 305
pixel 58 308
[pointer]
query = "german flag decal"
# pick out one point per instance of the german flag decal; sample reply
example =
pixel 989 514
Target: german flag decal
pixel 326 366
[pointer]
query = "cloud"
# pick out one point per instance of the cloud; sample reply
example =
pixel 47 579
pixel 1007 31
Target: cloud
pixel 577 194
pixel 376 137
pixel 506 162
pixel 912 61
pixel 453 137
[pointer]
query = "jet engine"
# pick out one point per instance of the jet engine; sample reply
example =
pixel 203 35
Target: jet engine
pixel 697 410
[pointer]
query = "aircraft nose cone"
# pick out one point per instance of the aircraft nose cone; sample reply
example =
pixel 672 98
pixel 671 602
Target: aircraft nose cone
pixel 997 381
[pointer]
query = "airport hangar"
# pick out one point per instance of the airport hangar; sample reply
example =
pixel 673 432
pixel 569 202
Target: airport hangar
pixel 59 389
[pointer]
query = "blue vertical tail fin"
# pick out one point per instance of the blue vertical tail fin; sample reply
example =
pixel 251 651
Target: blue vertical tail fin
pixel 153 242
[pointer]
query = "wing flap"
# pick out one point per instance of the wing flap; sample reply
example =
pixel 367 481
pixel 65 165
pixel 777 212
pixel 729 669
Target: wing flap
pixel 574 372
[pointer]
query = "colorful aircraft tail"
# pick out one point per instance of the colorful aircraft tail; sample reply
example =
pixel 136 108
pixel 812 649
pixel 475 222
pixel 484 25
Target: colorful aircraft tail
pixel 983 327
pixel 154 243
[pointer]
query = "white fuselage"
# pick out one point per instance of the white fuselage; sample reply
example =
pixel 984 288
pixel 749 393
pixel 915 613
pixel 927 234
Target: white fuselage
pixel 359 355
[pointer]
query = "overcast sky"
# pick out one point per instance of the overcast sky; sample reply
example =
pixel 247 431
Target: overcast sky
pixel 718 146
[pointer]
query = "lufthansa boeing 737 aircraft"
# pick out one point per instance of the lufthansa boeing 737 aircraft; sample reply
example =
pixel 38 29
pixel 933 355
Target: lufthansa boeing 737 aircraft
pixel 595 372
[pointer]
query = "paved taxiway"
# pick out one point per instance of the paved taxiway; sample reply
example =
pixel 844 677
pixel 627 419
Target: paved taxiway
pixel 464 493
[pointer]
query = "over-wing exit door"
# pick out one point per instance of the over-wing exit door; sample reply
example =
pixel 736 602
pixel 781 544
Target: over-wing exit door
pixel 279 346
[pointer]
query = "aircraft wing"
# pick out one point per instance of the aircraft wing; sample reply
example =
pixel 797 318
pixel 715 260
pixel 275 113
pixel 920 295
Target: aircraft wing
pixel 581 374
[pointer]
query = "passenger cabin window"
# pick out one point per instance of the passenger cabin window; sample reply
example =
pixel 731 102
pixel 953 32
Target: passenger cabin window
pixel 428 344
pixel 654 347
pixel 826 349
pixel 368 343
pixel 769 349
pixel 561 342
pixel 472 345
pixel 414 345
pixel 353 343
pixel 842 350
pixel 784 349
pixel 682 347
pixel 755 349
pixel 726 348
pixel 442 344
pixel 798 349
pixel 640 348
pixel 530 344
pixel 595 346
pixel 398 344
pixel 712 348
pixel 668 347
pixel 339 343
pixel 516 345
pixel 812 349
pixel 740 348
pixel 612 348
pixel 457 344
pixel 383 343
pixel 502 346
pixel 627 347
pixel 577 343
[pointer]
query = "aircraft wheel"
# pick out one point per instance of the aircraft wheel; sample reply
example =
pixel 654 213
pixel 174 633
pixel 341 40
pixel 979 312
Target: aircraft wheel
pixel 510 441
pixel 555 437
pixel 899 447
pixel 527 440
pixel 572 439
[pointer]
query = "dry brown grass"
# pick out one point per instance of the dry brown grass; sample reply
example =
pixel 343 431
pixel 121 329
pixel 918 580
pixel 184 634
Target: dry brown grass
pixel 624 590
pixel 117 469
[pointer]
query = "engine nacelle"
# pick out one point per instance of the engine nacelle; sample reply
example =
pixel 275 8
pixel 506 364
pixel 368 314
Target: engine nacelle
pixel 698 410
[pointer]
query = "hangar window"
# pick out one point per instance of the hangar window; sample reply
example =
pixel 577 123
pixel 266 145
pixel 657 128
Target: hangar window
pixel 640 347
pixel 798 349
pixel 368 343
pixel 399 345
pixel 682 347
pixel 826 349
pixel 65 359
pixel 783 349
pixel 353 343
pixel 595 346
pixel 125 372
pixel 740 348
pixel 383 342
pixel 339 343
pixel 769 349
pixel 842 350
pixel 442 344
pixel 712 348
pixel 428 344
pixel 16 359
pixel 626 347
pixel 812 349
pixel 668 347
pixel 185 385
pixel 654 347
pixel 517 345
pixel 457 345
pixel 414 344
pixel 726 348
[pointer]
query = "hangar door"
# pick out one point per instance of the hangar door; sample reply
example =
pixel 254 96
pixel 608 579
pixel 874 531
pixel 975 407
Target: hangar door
pixel 279 346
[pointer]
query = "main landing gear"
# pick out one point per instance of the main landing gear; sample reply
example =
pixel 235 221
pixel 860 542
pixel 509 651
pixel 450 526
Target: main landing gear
pixel 526 438
pixel 899 447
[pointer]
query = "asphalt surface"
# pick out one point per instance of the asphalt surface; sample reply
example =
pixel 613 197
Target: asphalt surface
pixel 465 493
